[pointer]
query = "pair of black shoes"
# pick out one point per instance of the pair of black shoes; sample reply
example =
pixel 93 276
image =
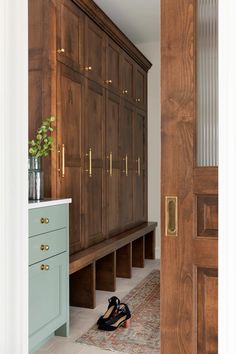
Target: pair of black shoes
pixel 116 315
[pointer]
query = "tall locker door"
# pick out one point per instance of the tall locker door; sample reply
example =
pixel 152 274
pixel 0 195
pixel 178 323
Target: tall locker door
pixel 126 161
pixel 112 163
pixel 140 166
pixel 93 181
pixel 70 92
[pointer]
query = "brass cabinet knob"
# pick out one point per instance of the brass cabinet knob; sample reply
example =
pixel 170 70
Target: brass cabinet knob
pixel 88 68
pixel 62 50
pixel 44 221
pixel 125 92
pixel 138 100
pixel 44 247
pixel 108 82
pixel 44 267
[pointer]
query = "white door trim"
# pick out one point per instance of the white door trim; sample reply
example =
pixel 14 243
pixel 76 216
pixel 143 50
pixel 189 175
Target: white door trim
pixel 13 176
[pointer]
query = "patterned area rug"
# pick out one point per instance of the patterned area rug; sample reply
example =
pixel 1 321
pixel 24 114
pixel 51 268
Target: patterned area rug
pixel 143 337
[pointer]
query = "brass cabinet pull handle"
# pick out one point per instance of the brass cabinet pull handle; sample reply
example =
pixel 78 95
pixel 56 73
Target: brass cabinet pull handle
pixel 44 220
pixel 171 216
pixel 125 92
pixel 61 152
pixel 88 68
pixel 90 162
pixel 44 267
pixel 139 166
pixel 110 163
pixel 61 50
pixel 126 164
pixel 108 82
pixel 138 100
pixel 44 247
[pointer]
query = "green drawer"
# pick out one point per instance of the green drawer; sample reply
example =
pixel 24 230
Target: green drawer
pixel 47 219
pixel 47 245
pixel 48 298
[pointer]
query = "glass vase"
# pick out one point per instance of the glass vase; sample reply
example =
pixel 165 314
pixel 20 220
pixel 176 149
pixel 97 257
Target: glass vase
pixel 36 185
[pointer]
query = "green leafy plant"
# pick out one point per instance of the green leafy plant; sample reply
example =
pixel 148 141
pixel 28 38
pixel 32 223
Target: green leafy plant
pixel 42 144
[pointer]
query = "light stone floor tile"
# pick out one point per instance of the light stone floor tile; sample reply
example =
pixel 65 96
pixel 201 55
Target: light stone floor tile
pixel 81 319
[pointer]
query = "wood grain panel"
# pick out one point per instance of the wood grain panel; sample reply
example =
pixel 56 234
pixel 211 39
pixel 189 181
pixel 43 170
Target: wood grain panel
pixel 207 309
pixel 207 216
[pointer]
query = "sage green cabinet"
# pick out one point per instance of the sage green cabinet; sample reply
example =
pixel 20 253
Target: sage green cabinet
pixel 48 274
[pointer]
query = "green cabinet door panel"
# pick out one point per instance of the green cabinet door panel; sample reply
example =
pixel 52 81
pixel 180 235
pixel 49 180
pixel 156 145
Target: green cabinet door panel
pixel 47 245
pixel 47 219
pixel 48 297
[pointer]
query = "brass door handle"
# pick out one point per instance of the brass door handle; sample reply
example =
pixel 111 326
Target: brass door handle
pixel 44 267
pixel 61 152
pixel 90 162
pixel 110 163
pixel 139 166
pixel 44 221
pixel 171 216
pixel 61 50
pixel 44 247
pixel 126 165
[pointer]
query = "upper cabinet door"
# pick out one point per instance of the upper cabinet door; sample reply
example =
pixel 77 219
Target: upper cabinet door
pixel 127 77
pixel 70 35
pixel 140 87
pixel 94 67
pixel 113 66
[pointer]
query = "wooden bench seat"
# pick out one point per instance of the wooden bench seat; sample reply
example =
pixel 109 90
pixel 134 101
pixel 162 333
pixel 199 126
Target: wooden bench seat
pixel 98 266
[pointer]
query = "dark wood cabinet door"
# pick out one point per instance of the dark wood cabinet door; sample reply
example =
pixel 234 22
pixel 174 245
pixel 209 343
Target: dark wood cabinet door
pixel 70 35
pixel 93 180
pixel 140 166
pixel 112 163
pixel 140 87
pixel 113 66
pixel 126 161
pixel 127 77
pixel 69 113
pixel 94 52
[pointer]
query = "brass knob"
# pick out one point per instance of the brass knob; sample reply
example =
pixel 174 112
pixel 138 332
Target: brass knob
pixel 108 82
pixel 44 221
pixel 138 100
pixel 44 267
pixel 125 92
pixel 88 68
pixel 62 50
pixel 44 247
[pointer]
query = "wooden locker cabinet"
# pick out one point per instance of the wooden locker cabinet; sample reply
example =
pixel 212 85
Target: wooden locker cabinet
pixel 89 75
pixel 70 35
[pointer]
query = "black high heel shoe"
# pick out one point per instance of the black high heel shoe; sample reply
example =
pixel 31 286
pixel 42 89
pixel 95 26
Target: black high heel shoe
pixel 113 306
pixel 121 319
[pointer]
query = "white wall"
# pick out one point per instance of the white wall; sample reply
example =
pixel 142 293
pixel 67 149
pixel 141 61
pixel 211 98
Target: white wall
pixel 152 51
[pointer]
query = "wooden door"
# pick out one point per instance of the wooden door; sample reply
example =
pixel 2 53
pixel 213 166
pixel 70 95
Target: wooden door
pixel 94 52
pixel 140 87
pixel 140 166
pixel 127 77
pixel 126 162
pixel 189 236
pixel 113 66
pixel 70 91
pixel 70 35
pixel 93 175
pixel 112 163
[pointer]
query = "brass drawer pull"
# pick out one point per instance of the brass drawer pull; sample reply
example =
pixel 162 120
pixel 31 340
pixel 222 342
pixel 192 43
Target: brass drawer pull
pixel 44 247
pixel 62 50
pixel 88 68
pixel 138 100
pixel 125 92
pixel 108 82
pixel 44 267
pixel 44 221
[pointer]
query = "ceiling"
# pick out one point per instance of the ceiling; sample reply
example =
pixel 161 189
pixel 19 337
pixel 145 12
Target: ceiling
pixel 138 19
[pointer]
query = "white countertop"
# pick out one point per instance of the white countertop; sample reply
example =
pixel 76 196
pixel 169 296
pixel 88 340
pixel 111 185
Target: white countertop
pixel 47 202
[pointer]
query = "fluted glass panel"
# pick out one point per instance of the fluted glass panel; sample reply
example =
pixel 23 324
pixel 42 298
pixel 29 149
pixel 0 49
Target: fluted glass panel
pixel 207 82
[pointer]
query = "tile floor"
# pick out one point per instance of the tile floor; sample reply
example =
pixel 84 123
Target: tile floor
pixel 82 319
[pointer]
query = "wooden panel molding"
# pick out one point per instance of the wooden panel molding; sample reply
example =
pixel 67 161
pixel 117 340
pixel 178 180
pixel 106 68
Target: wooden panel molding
pixel 207 311
pixel 207 216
